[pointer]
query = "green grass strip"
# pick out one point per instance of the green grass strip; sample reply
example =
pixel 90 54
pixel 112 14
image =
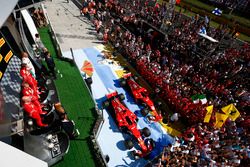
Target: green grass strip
pixel 77 101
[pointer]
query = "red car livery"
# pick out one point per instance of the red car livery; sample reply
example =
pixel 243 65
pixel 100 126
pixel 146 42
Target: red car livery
pixel 127 121
pixel 140 94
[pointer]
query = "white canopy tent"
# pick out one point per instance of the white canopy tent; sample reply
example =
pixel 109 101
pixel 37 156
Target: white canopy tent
pixel 13 157
pixel 30 23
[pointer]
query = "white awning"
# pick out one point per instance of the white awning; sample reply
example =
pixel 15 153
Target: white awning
pixel 6 8
pixel 13 157
pixel 208 37
pixel 30 23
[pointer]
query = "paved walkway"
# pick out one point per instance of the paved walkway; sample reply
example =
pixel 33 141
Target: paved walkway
pixel 72 30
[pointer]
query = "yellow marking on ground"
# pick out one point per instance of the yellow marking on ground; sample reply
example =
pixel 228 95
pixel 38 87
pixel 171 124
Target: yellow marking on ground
pixel 169 129
pixel 107 48
pixel 120 73
pixel 100 48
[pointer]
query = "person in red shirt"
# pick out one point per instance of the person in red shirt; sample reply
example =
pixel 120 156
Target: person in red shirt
pixel 27 77
pixel 28 91
pixel 105 36
pixel 32 110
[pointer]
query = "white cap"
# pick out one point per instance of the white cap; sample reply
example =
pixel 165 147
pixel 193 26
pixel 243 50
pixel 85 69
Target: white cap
pixel 25 61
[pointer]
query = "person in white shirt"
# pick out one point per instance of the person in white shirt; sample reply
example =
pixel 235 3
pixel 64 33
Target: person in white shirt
pixel 175 117
pixel 38 42
pixel 29 65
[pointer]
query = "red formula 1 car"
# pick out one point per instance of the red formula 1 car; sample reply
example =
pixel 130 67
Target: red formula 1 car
pixel 140 94
pixel 127 122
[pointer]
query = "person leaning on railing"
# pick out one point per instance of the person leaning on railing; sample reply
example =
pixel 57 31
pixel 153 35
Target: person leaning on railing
pixel 66 124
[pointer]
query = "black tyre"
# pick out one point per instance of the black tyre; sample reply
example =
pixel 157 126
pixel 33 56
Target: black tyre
pixel 134 155
pixel 123 82
pixel 105 104
pixel 165 120
pixel 146 132
pixel 124 129
pixel 152 142
pixel 128 144
pixel 144 112
pixel 121 97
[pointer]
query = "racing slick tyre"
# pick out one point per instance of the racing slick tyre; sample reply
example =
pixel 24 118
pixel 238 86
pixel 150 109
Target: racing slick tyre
pixel 121 97
pixel 152 142
pixel 146 132
pixel 105 104
pixel 123 82
pixel 128 144
pixel 135 155
pixel 144 112
pixel 165 120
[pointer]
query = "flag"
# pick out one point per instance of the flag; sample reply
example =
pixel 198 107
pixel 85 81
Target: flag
pixel 203 99
pixel 208 114
pixel 87 68
pixel 203 30
pixel 231 111
pixel 199 98
pixel 195 99
pixel 220 119
pixel 217 12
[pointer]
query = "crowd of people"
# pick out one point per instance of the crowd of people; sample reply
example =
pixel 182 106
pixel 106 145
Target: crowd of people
pixel 35 99
pixel 30 92
pixel 203 145
pixel 173 69
pixel 39 17
pixel 36 105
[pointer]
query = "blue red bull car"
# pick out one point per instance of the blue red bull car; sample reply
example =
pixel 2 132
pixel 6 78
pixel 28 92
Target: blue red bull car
pixel 127 122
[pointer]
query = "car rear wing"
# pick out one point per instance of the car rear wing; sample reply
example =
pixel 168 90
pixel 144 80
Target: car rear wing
pixel 125 76
pixel 113 94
